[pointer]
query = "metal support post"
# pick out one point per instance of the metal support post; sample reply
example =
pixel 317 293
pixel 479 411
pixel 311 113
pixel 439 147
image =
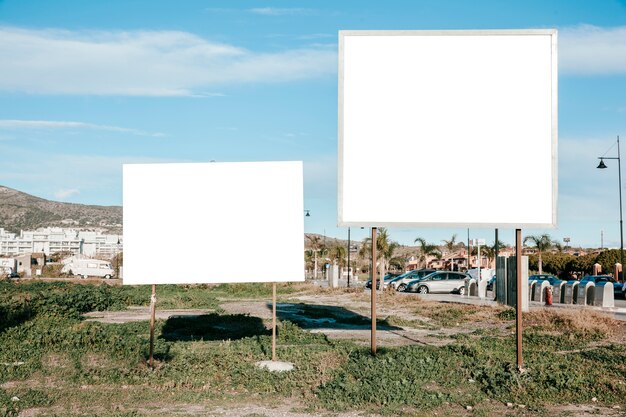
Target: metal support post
pixel 518 304
pixel 152 320
pixel 274 321
pixel 373 281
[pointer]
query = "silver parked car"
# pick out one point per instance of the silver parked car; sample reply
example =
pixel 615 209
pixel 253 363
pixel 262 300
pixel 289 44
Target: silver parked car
pixel 439 282
pixel 400 282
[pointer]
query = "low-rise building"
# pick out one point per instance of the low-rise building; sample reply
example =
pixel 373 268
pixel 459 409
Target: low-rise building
pixel 57 239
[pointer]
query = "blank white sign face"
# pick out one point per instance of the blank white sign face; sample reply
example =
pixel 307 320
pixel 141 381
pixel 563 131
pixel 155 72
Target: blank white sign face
pixel 448 128
pixel 213 223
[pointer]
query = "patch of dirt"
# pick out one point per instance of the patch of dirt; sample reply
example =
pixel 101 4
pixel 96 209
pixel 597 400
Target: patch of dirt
pixel 489 408
pixel 586 411
pixel 261 309
pixel 140 314
pixel 56 360
pixel 346 316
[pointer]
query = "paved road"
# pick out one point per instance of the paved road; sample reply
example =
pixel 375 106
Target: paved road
pixel 619 311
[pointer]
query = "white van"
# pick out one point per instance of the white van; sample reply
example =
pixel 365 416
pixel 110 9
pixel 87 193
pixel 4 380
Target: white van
pixel 88 268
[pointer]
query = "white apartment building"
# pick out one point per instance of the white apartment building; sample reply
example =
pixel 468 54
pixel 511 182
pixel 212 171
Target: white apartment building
pixel 56 239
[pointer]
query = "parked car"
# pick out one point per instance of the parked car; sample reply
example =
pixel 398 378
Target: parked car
pixel 12 275
pixel 551 278
pixel 439 282
pixel 401 281
pixel 618 288
pixel 490 283
pixel 386 281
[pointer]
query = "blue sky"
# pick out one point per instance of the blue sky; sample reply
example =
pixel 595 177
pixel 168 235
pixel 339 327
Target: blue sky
pixel 88 86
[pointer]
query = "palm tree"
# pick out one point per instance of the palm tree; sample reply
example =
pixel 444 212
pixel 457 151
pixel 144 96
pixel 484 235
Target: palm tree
pixel 426 249
pixel 542 243
pixel 558 246
pixel 338 252
pixel 315 242
pixel 449 245
pixel 365 253
pixel 385 249
pixel 490 251
pixel 308 259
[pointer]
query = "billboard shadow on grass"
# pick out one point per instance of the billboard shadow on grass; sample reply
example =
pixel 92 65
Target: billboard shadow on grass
pixel 216 327
pixel 212 327
pixel 314 316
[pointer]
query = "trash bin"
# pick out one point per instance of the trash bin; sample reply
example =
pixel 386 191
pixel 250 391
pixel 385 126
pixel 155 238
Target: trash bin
pixel 531 290
pixel 540 290
pixel 585 293
pixel 558 292
pixel 471 287
pixel 482 288
pixel 603 295
pixel 571 295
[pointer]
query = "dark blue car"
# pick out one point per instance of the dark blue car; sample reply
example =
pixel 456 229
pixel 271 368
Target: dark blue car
pixel 550 278
pixel 618 288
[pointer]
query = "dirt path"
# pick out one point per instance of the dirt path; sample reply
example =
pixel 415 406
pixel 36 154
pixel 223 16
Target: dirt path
pixel 139 314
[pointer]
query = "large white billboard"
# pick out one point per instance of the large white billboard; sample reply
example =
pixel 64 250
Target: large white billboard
pixel 448 128
pixel 213 222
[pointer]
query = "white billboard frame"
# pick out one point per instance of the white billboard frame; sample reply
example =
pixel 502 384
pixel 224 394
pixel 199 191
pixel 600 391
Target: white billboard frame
pixel 548 218
pixel 201 223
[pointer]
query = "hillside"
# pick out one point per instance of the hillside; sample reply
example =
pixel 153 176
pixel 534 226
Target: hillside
pixel 21 211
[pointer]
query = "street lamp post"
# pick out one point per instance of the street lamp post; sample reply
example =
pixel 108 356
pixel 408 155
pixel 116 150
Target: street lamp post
pixel 601 165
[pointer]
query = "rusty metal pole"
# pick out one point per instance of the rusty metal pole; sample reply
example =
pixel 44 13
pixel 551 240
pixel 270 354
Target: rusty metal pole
pixel 274 321
pixel 373 281
pixel 152 320
pixel 518 304
pixel 497 252
pixel 348 257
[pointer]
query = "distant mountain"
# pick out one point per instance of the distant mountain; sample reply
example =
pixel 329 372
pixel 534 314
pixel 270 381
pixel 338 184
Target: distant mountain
pixel 21 211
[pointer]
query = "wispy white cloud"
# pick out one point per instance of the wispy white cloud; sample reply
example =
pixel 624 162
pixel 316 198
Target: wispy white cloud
pixel 278 11
pixel 143 63
pixel 317 36
pixel 53 124
pixel 66 193
pixel 589 50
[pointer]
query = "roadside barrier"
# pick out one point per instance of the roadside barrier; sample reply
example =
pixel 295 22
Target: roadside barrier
pixel 540 290
pixel 586 293
pixel 603 295
pixel 531 290
pixel 471 287
pixel 558 292
pixel 571 293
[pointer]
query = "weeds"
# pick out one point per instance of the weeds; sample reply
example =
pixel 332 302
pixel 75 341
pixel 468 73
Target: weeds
pixel 49 354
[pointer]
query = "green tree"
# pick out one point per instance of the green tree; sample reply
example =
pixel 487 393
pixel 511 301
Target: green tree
pixel 308 259
pixel 450 245
pixel 489 251
pixel 542 243
pixel 339 252
pixel 557 263
pixel 118 262
pixel 608 259
pixel 425 250
pixel 581 264
pixel 385 251
pixel 315 242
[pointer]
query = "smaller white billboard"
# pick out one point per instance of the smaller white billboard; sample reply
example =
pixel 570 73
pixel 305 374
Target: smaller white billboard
pixel 187 223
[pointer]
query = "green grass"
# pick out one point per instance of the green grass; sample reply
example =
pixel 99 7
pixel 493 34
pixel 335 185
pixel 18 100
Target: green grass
pixel 52 359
